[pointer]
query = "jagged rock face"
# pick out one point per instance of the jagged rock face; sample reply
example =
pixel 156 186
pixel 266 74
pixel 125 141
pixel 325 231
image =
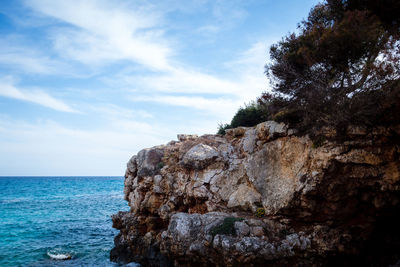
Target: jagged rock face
pixel 321 203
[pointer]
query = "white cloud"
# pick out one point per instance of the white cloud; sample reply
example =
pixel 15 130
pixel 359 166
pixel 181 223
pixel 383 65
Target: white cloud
pixel 244 83
pixel 209 29
pixel 107 31
pixel 26 59
pixel 7 89
pixel 252 59
pixel 218 107
pixel 229 12
pixel 244 77
pixel 186 81
pixel 114 112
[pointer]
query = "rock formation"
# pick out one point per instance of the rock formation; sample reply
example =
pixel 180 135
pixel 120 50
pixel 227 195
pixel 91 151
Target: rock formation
pixel 263 196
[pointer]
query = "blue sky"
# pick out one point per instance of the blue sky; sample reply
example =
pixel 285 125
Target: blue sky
pixel 86 84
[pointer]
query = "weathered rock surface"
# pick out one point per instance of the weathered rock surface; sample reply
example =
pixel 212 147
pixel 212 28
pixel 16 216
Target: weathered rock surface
pixel 193 202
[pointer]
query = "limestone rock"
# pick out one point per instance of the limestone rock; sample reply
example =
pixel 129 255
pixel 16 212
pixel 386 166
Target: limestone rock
pixel 194 201
pixel 270 129
pixel 185 137
pixel 245 198
pixel 242 229
pixel 132 166
pixel 149 161
pixel 236 132
pixel 199 156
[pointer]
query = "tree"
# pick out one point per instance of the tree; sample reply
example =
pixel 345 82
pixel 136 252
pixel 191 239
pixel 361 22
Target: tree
pixel 341 66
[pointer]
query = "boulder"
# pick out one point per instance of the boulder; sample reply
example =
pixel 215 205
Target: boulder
pixel 199 156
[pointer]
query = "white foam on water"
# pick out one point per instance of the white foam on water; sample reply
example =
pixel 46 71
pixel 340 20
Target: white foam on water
pixel 59 256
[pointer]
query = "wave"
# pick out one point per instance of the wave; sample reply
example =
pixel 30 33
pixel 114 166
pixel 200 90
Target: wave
pixel 13 200
pixel 59 256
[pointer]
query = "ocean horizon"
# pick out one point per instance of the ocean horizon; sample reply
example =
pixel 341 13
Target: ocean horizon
pixel 59 220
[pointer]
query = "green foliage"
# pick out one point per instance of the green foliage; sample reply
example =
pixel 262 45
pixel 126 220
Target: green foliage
pixel 251 115
pixel 222 128
pixel 341 67
pixel 260 212
pixel 247 116
pixel 227 227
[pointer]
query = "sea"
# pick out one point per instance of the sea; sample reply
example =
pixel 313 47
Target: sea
pixel 59 221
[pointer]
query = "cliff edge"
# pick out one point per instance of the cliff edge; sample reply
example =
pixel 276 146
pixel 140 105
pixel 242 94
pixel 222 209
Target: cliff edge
pixel 263 196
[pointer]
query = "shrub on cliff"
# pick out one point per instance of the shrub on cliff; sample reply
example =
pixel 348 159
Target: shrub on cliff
pixel 250 115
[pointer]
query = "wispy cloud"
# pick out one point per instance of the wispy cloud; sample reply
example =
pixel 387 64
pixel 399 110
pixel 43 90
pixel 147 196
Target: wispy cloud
pixel 244 81
pixel 229 12
pixel 7 89
pixel 107 31
pixel 103 33
pixel 114 112
pixel 97 33
pixel 185 81
pixel 219 107
pixel 209 29
pixel 253 59
pixel 16 55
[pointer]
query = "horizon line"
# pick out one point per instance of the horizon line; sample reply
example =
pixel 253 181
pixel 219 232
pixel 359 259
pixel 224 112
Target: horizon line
pixel 3 176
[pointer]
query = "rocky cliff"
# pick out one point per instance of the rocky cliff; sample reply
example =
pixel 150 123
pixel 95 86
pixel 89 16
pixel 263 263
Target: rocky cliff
pixel 263 196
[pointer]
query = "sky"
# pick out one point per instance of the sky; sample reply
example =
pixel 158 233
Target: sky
pixel 84 85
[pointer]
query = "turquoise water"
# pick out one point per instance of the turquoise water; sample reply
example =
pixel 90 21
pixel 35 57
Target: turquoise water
pixel 43 218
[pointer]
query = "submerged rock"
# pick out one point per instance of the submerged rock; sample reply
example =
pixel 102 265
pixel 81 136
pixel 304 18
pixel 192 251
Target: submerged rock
pixel 194 201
